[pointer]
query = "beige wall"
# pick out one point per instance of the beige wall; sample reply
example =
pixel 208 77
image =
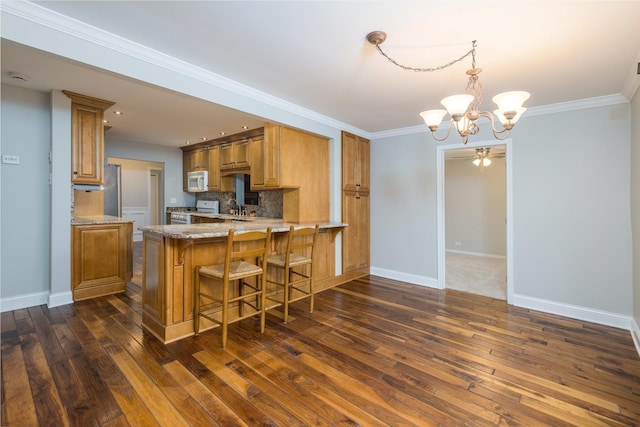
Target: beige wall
pixel 475 207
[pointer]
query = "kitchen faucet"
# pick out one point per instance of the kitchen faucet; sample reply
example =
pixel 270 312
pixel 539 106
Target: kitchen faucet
pixel 238 210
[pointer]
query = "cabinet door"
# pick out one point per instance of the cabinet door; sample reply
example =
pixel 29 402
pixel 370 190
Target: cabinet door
pixel 350 255
pixel 363 164
pixel 272 165
pixel 355 238
pixel 226 156
pixel 350 170
pixel 241 153
pixel 100 260
pixel 214 168
pixel 257 163
pixel 362 208
pixel 87 148
pixel 199 160
pixel 355 162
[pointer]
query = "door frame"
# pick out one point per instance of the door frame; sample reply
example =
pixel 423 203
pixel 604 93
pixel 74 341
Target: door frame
pixel 440 166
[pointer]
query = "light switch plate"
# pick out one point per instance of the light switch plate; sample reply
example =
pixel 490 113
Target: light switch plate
pixel 10 160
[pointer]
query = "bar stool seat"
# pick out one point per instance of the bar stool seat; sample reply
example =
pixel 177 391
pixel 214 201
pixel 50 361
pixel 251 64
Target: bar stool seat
pixel 297 282
pixel 244 251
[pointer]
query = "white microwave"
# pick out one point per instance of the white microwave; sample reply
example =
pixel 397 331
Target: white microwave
pixel 197 181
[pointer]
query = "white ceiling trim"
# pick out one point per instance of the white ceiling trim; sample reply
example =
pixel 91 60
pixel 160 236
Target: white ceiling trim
pixel 72 27
pixel 581 104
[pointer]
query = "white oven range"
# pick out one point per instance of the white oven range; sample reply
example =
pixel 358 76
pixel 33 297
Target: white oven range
pixel 202 206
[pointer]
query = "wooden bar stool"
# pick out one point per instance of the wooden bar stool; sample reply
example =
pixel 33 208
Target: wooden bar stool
pixel 244 258
pixel 296 268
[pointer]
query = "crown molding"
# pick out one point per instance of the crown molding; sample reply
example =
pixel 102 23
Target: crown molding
pixel 90 34
pixel 581 104
pixel 45 17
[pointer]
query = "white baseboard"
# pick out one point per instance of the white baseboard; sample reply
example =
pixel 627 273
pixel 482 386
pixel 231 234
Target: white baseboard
pixel 405 277
pixel 453 251
pixel 61 298
pixel 635 334
pixel 23 301
pixel 575 312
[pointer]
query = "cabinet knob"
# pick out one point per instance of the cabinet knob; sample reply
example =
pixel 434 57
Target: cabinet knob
pixel 357 197
pixel 75 172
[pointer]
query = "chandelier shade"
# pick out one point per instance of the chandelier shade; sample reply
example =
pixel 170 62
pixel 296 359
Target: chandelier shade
pixel 457 105
pixel 433 118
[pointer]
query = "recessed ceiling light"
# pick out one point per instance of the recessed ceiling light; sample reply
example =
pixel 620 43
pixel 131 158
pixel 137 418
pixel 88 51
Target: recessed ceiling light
pixel 105 121
pixel 204 138
pixel 18 76
pixel 245 127
pixel 223 133
pixel 188 142
pixel 118 113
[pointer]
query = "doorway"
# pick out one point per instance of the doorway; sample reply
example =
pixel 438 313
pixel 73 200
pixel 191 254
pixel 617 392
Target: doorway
pixel 156 196
pixel 467 259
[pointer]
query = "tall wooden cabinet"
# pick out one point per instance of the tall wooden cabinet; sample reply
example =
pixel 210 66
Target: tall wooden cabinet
pixel 355 203
pixel 87 138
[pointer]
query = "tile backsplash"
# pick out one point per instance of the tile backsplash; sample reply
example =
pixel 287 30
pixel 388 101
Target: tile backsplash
pixel 269 202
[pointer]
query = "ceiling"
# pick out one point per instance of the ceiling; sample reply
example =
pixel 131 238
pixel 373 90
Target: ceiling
pixel 314 54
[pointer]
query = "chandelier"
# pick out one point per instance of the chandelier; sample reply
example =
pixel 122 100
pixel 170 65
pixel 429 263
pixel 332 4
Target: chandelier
pixel 464 109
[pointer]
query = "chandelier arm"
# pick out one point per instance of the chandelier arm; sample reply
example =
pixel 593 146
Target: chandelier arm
pixel 433 132
pixel 427 69
pixel 496 132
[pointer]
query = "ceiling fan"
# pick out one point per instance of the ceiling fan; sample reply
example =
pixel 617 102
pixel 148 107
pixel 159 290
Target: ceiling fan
pixel 482 156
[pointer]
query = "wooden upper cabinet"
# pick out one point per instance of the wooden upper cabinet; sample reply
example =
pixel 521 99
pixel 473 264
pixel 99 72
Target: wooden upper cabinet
pixel 234 155
pixel 87 138
pixel 257 164
pixel 266 167
pixel 355 172
pixel 271 156
pixel 213 155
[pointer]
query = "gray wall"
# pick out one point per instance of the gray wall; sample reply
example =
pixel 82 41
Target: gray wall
pixel 25 198
pixel 635 209
pixel 572 234
pixel 476 207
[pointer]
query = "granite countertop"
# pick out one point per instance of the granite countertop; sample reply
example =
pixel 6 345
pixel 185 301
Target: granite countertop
pixel 205 231
pixel 99 219
pixel 234 217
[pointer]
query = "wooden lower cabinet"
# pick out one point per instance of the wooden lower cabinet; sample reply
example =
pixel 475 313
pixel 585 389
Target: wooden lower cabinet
pixel 102 259
pixel 355 240
pixel 168 277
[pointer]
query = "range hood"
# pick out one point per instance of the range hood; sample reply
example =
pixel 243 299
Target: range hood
pixel 233 171
pixel 87 187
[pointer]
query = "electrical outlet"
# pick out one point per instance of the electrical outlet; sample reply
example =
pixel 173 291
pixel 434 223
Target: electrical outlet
pixel 10 160
pixel 457 243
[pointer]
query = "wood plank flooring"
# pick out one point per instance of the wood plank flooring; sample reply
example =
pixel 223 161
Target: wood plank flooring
pixel 375 352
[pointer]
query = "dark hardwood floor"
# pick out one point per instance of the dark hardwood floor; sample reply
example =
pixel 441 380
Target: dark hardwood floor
pixel 375 352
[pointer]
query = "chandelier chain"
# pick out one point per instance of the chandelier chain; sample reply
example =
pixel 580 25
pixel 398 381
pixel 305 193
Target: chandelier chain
pixel 471 52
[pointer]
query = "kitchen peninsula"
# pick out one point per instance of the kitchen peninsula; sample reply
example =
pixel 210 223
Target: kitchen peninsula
pixel 171 253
